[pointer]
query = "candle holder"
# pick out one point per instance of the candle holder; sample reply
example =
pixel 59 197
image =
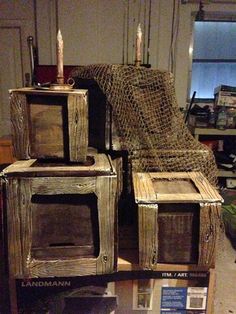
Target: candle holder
pixel 60 85
pixel 137 63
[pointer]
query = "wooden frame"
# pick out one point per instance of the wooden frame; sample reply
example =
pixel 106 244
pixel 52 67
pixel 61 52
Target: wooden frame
pixel 148 201
pixel 62 124
pixel 22 184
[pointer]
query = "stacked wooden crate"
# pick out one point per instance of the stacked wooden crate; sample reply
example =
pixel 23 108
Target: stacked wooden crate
pixel 179 217
pixel 178 214
pixel 61 197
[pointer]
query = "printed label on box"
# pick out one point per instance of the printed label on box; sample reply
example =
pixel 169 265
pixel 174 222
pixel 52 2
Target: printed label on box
pixel 173 298
pixel 183 300
pixel 183 312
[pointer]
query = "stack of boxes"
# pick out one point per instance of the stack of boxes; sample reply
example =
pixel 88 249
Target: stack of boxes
pixel 225 106
pixel 61 196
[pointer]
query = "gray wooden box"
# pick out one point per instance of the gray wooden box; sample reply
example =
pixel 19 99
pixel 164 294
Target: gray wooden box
pixel 49 124
pixel 61 219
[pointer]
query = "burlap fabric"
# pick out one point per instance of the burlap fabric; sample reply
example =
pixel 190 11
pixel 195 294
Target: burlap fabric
pixel 150 125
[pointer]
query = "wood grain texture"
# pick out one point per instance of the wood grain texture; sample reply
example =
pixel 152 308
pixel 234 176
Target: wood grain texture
pixel 24 185
pixel 63 185
pixel 20 125
pixel 148 235
pixel 208 233
pixel 143 188
pixel 33 91
pixel 176 187
pixel 100 165
pixel 14 228
pixel 78 127
pixel 20 191
pixel 106 260
pixel 208 193
pixel 62 268
pixel 47 139
pixel 118 165
pixel 45 126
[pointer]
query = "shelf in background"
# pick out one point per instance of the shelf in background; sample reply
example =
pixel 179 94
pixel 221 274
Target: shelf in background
pixel 212 131
pixel 226 173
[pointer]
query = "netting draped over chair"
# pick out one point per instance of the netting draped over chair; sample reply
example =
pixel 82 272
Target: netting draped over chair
pixel 148 120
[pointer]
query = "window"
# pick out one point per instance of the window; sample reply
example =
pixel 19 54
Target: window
pixel 142 294
pixel 214 57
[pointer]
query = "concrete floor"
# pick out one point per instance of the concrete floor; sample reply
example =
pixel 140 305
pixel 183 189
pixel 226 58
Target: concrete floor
pixel 225 293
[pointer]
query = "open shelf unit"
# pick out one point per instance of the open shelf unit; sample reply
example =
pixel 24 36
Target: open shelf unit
pixel 204 132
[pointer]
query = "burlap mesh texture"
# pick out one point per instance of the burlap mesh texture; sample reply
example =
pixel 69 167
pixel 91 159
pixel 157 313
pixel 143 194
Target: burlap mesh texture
pixel 148 120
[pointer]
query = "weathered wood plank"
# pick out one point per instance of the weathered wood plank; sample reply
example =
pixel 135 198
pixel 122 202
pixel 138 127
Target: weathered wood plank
pixel 148 235
pixel 31 90
pixel 208 233
pixel 98 165
pixel 78 127
pixel 24 185
pixel 175 187
pixel 169 175
pixel 63 185
pixel 118 165
pixel 62 268
pixel 106 206
pixel 209 194
pixel 19 165
pixel 20 125
pixel 143 188
pixel 14 228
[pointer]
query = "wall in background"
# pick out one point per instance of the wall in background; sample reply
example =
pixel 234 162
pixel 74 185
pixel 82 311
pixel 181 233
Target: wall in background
pixel 16 24
pixel 95 31
pixel 103 31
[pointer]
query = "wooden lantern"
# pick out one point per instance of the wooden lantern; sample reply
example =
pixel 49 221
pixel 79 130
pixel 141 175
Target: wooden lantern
pixel 61 219
pixel 49 124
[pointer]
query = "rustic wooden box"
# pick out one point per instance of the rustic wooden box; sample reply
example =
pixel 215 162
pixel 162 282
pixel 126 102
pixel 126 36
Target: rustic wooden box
pixel 177 215
pixel 61 219
pixel 49 124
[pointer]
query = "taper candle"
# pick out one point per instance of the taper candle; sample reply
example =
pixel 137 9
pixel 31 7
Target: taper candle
pixel 60 75
pixel 138 45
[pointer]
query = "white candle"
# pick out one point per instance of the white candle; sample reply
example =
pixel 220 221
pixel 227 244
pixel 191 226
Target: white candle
pixel 60 75
pixel 138 45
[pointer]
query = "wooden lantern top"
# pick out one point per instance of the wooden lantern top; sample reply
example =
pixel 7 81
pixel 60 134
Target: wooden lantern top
pixel 96 165
pixel 173 187
pixel 47 91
